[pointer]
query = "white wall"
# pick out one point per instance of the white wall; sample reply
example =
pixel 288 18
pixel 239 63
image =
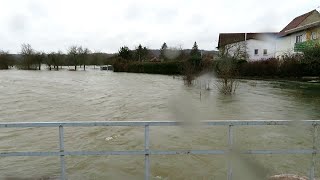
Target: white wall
pixel 253 44
pixel 285 45
pixel 276 47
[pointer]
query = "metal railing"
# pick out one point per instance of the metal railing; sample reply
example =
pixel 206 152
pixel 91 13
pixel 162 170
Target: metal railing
pixel 147 151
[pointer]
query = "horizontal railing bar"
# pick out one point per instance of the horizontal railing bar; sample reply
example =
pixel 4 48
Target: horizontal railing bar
pixel 72 153
pixel 9 154
pixel 289 151
pixel 182 152
pixel 101 153
pixel 155 152
pixel 155 123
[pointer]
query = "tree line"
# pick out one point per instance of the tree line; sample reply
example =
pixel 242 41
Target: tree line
pixel 78 57
pixel 30 59
pixel 142 53
pixel 171 60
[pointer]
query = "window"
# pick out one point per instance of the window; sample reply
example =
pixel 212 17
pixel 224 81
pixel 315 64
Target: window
pixel 265 52
pixel 256 52
pixel 299 39
pixel 314 36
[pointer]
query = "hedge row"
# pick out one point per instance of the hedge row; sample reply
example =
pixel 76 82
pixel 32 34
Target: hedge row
pixel 169 68
pixel 279 68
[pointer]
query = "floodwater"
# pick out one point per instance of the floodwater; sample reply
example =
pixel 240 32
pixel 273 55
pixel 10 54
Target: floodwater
pixel 94 95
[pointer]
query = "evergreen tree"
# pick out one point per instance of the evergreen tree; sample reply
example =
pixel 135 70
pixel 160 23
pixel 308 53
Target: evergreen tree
pixel 195 55
pixel 125 53
pixel 195 52
pixel 141 53
pixel 163 50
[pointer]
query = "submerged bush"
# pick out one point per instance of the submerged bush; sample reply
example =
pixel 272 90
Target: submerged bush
pixel 311 61
pixel 311 54
pixel 295 65
pixel 226 70
pixel 268 67
pixel 5 60
pixel 291 66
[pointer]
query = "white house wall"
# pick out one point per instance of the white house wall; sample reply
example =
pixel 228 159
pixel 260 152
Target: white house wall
pixel 276 47
pixel 285 45
pixel 253 44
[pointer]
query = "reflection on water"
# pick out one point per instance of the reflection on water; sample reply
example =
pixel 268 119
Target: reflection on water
pixel 102 96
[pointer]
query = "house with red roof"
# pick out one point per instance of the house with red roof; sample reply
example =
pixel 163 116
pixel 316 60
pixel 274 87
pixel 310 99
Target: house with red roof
pixel 301 32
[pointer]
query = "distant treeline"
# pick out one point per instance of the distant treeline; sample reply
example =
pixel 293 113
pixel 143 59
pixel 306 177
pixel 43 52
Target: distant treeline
pixel 171 60
pixel 78 57
pixel 30 59
pixel 192 63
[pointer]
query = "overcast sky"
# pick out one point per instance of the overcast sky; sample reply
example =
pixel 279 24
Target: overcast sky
pixel 105 25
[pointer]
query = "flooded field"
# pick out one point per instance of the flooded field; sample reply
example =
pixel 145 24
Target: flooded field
pixel 94 95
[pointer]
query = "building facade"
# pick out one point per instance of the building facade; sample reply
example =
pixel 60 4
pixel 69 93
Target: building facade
pixel 303 31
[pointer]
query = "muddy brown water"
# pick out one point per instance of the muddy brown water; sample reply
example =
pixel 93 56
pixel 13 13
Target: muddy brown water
pixel 94 95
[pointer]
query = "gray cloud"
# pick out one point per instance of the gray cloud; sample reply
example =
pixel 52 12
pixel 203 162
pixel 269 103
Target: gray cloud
pixel 108 24
pixel 18 23
pixel 152 15
pixel 37 9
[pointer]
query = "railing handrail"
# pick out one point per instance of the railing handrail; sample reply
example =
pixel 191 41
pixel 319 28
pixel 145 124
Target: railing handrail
pixel 156 123
pixel 147 151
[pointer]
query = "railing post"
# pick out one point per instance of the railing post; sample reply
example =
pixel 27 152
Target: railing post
pixel 314 153
pixel 61 147
pixel 146 151
pixel 229 154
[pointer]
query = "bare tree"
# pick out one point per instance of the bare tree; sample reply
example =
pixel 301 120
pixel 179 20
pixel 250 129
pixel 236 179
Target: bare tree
pixel 39 58
pixel 60 60
pixel 237 50
pixel 84 53
pixel 227 72
pixel 96 58
pixel 28 55
pixel 73 56
pixel 226 66
pixel 189 73
pixel 52 59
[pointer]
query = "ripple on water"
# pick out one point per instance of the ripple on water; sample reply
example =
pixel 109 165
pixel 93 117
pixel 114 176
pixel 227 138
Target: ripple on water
pixel 103 96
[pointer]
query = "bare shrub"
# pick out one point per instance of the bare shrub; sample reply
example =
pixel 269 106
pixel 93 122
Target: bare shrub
pixel 226 72
pixel 188 73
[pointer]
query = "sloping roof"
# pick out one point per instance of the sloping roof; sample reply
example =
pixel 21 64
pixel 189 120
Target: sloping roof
pixel 229 38
pixel 295 22
pixel 304 27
